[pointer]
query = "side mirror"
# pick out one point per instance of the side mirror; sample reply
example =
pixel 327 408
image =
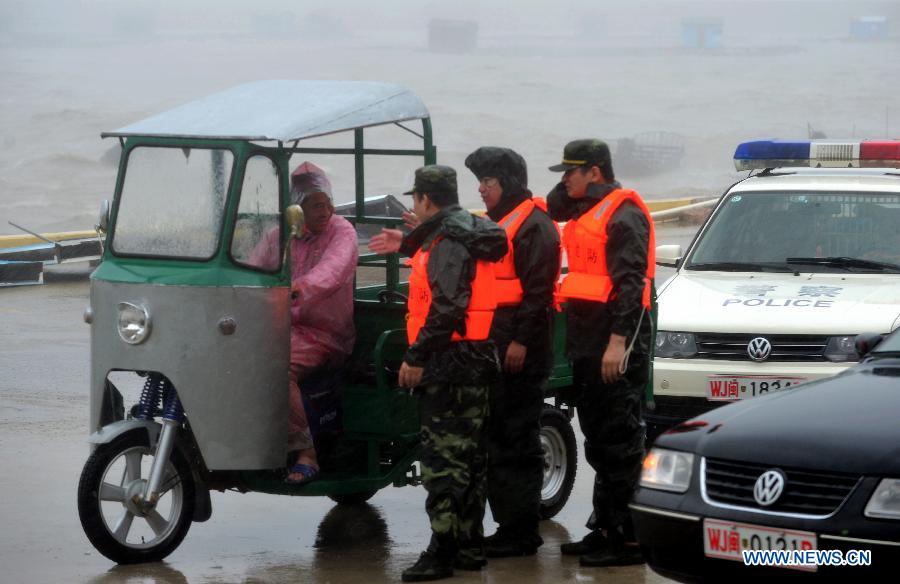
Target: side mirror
pixel 866 342
pixel 103 218
pixel 295 220
pixel 668 256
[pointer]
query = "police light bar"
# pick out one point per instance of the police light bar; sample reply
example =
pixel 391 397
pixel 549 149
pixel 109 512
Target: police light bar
pixel 817 154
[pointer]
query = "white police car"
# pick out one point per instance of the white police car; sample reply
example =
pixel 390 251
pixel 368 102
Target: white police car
pixel 794 261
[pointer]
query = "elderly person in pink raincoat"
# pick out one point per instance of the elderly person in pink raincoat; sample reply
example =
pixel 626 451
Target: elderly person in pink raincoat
pixel 323 266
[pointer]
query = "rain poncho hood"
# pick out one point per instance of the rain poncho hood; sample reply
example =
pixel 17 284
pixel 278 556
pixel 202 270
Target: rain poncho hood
pixel 308 179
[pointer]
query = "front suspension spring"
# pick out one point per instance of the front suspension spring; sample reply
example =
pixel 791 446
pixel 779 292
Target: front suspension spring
pixel 151 395
pixel 172 409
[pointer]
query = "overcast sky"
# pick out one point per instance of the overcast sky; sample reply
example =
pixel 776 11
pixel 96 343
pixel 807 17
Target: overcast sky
pixel 99 20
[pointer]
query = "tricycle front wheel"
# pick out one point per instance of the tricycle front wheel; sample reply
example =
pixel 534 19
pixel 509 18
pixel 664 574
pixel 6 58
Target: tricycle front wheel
pixel 109 501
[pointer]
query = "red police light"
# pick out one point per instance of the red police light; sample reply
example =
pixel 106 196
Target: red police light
pixel 879 150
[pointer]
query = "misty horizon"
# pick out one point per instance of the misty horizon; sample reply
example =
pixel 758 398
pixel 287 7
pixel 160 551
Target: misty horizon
pixel 537 75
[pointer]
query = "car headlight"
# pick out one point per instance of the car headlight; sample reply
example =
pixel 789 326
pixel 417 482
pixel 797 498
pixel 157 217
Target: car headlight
pixel 133 323
pixel 841 349
pixel 677 345
pixel 885 501
pixel 667 470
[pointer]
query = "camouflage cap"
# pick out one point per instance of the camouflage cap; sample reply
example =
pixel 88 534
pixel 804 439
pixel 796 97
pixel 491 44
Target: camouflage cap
pixel 434 178
pixel 583 152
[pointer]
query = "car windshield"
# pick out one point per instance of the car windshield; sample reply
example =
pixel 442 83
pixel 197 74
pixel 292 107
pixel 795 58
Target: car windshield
pixel 808 232
pixel 172 202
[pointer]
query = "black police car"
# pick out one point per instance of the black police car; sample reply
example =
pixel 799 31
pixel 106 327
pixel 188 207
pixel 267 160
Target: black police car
pixel 811 468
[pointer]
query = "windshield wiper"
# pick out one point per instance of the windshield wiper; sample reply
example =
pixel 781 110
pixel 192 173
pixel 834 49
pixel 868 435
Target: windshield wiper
pixel 845 262
pixel 742 267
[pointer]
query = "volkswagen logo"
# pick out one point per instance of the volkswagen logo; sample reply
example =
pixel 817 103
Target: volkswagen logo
pixel 768 487
pixel 759 349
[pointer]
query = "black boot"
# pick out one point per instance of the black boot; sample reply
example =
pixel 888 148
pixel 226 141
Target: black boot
pixel 593 542
pixel 432 565
pixel 621 550
pixel 470 552
pixel 506 543
pixel 469 562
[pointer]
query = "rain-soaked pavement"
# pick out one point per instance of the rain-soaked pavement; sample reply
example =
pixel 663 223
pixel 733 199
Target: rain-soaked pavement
pixel 251 537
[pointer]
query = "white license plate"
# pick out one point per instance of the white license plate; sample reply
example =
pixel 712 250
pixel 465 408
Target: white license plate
pixel 726 540
pixel 731 388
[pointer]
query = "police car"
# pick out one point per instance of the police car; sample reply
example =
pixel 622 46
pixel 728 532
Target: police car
pixel 793 262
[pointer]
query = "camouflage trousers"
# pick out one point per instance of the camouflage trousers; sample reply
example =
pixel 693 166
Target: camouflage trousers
pixel 454 466
pixel 611 420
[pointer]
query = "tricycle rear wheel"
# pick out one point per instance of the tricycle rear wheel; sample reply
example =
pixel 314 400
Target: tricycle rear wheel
pixel 112 476
pixel 560 451
pixel 352 498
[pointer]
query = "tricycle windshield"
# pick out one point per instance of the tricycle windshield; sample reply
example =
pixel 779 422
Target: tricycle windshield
pixel 172 202
pixel 812 232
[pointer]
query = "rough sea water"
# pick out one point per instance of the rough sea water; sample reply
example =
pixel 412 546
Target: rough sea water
pixel 532 92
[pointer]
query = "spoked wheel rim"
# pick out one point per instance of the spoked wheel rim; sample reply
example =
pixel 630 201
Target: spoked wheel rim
pixel 553 446
pixel 122 482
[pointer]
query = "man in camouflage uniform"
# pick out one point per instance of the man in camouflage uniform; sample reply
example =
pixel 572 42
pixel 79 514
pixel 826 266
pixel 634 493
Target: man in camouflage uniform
pixel 451 362
pixel 608 337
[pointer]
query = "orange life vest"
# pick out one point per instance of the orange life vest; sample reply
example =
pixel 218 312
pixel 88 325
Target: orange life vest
pixel 507 284
pixel 585 242
pixel 482 302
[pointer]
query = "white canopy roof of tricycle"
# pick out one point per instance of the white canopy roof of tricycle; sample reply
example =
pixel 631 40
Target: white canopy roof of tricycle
pixel 284 111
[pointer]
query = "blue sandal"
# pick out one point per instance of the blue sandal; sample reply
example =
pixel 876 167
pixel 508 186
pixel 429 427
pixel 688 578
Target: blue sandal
pixel 310 473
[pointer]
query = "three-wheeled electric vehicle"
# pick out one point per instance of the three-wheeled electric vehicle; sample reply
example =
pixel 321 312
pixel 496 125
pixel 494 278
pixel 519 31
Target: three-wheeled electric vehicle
pixel 180 303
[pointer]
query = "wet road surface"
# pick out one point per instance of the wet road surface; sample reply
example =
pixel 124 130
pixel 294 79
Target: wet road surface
pixel 44 373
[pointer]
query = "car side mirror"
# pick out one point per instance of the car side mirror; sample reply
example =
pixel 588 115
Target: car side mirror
pixel 668 256
pixel 295 220
pixel 865 342
pixel 103 218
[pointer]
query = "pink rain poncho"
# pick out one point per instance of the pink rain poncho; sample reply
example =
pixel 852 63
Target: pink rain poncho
pixel 321 312
pixel 322 269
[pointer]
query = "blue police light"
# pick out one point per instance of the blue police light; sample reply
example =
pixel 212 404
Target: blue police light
pixel 771 154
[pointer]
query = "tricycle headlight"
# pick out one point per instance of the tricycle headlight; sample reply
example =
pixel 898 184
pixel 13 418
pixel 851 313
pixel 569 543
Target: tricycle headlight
pixel 667 470
pixel 133 323
pixel 885 501
pixel 677 345
pixel 841 349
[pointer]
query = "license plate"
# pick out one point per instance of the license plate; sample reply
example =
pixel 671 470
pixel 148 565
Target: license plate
pixel 725 540
pixel 731 388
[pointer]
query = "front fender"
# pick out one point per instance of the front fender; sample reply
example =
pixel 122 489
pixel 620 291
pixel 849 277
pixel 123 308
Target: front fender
pixel 110 432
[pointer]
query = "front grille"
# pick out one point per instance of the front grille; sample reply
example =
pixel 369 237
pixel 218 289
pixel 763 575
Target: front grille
pixel 807 492
pixel 733 346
